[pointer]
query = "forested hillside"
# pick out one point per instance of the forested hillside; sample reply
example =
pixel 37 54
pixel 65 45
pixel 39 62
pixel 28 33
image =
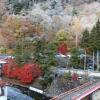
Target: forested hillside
pixel 30 18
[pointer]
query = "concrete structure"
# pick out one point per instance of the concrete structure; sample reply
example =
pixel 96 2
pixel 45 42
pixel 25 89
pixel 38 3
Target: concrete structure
pixel 3 91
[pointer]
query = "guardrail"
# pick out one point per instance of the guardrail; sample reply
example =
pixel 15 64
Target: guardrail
pixel 70 91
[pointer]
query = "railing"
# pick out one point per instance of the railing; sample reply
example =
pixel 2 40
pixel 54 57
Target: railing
pixel 91 90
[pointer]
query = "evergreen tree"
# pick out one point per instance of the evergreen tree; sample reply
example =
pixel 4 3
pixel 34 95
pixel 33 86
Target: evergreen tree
pixel 85 44
pixel 22 55
pixel 95 41
pixel 85 39
pixel 44 55
pixel 95 37
pixel 75 60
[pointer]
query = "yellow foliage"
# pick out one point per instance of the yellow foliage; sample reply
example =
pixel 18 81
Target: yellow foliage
pixel 13 23
pixel 10 51
pixel 6 37
pixel 62 35
pixel 22 26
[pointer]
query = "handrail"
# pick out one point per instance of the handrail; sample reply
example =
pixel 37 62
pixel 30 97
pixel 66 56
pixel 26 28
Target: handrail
pixel 87 92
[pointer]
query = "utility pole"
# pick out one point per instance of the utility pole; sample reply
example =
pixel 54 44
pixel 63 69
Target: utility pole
pixel 76 40
pixel 85 61
pixel 98 67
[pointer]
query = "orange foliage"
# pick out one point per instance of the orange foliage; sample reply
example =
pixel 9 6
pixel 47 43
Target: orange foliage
pixel 6 36
pixel 22 25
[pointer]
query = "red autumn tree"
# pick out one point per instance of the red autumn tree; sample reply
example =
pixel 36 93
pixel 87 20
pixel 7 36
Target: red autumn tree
pixel 62 48
pixel 6 70
pixel 15 72
pixel 26 76
pixel 9 71
pixel 29 72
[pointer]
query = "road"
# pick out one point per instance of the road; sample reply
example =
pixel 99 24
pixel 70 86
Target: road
pixel 80 72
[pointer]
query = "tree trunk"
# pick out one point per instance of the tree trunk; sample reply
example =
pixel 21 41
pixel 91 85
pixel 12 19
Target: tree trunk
pixel 76 40
pixel 98 67
pixel 85 60
pixel 93 60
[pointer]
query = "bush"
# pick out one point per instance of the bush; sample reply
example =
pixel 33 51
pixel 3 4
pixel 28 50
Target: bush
pixel 29 72
pixel 74 77
pixel 26 74
pixel 16 72
pixel 6 70
pixel 36 70
pixel 67 76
